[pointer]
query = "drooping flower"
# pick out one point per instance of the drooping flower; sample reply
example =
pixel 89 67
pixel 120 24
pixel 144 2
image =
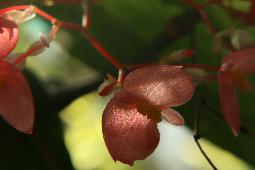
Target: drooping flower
pixel 129 122
pixel 233 73
pixel 16 101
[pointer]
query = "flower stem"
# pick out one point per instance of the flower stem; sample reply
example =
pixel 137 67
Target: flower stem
pixel 67 25
pixel 202 13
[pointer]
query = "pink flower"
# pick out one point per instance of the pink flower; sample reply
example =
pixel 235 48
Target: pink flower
pixel 235 67
pixel 16 101
pixel 130 119
pixel 9 36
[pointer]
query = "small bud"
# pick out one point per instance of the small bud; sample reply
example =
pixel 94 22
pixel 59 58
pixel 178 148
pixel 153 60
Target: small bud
pixel 220 39
pixel 241 39
pixel 37 48
pixel 20 17
pixel 44 39
pixel 198 75
pixel 176 56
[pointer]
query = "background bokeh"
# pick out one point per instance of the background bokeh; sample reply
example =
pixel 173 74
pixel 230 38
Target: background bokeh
pixel 64 81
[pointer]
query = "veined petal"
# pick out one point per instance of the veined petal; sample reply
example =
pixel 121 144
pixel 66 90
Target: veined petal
pixel 128 135
pixel 160 85
pixel 229 101
pixel 16 101
pixel 173 117
pixel 8 36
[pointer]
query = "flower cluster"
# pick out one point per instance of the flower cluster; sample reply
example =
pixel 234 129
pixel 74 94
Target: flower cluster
pixel 233 73
pixel 130 119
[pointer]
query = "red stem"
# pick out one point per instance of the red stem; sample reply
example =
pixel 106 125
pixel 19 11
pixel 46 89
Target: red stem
pixel 67 25
pixel 103 51
pixel 203 14
pixel 23 56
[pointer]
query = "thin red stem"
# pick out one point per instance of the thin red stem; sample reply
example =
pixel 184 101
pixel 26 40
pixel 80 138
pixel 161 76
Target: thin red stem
pixel 102 50
pixel 67 25
pixel 203 14
pixel 23 56
pixel 24 7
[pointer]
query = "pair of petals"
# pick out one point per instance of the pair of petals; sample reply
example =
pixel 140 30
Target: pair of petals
pixel 16 101
pixel 242 62
pixel 129 134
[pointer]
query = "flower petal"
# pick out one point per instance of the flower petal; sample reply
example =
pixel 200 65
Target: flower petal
pixel 243 61
pixel 128 135
pixel 173 117
pixel 8 36
pixel 160 85
pixel 16 101
pixel 229 101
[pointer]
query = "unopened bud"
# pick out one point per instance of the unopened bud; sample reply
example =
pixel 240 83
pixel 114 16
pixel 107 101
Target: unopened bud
pixel 44 39
pixel 218 41
pixel 37 48
pixel 177 56
pixel 20 17
pixel 241 39
pixel 198 75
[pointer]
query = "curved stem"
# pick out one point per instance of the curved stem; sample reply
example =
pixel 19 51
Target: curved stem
pixel 102 50
pixel 202 13
pixel 67 25
pixel 197 134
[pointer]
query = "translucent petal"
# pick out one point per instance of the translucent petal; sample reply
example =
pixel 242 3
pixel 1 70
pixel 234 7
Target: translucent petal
pixel 243 61
pixel 173 117
pixel 160 85
pixel 229 101
pixel 198 75
pixel 107 86
pixel 16 101
pixel 128 135
pixel 20 17
pixel 8 36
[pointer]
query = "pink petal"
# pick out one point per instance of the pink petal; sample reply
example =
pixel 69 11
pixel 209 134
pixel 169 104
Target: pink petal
pixel 128 135
pixel 16 101
pixel 8 36
pixel 229 101
pixel 161 85
pixel 242 60
pixel 173 117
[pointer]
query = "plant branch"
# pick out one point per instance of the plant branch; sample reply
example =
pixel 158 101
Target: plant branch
pixel 197 134
pixel 72 26
pixel 202 13
pixel 204 154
